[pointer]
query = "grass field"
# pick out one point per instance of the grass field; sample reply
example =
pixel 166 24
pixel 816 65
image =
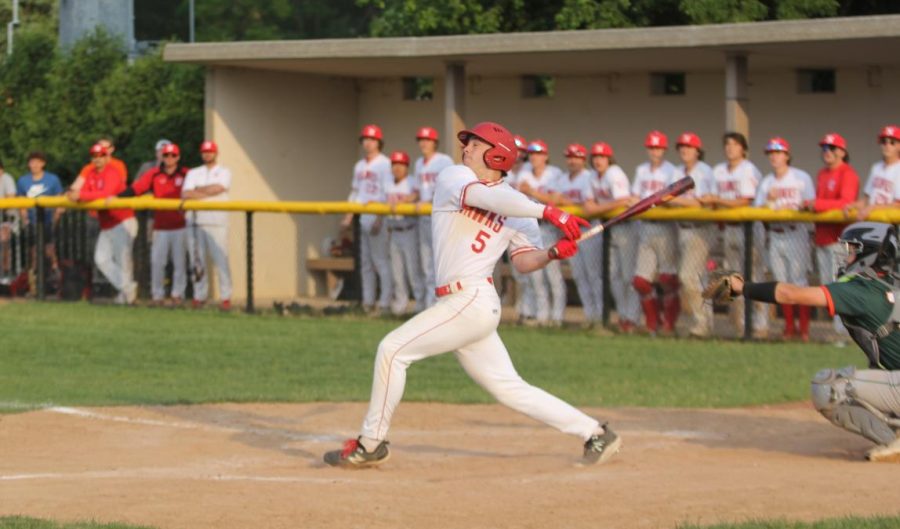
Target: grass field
pixel 82 354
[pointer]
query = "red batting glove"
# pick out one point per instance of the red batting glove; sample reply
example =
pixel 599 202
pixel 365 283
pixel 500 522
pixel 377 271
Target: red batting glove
pixel 570 225
pixel 563 249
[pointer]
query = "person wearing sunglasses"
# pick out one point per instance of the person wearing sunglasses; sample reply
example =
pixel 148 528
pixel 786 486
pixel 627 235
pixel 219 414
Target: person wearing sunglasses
pixel 882 189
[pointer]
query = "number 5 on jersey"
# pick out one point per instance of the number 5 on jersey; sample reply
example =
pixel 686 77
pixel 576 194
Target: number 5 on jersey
pixel 480 241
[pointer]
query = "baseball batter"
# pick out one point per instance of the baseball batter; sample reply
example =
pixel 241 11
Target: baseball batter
pixel 525 299
pixel 694 238
pixel 476 218
pixel 427 167
pixel 658 252
pixel 371 176
pixel 883 186
pixel 405 263
pixel 575 189
pixel 612 190
pixel 540 182
pixel 787 187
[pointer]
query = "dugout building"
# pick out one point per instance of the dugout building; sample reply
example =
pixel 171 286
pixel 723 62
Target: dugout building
pixel 286 114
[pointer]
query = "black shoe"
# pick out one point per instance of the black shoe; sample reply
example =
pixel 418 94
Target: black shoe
pixel 353 455
pixel 599 448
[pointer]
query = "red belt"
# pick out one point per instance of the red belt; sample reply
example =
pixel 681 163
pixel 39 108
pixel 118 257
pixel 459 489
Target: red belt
pixel 453 287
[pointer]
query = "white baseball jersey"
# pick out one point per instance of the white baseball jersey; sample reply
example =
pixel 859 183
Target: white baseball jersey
pixel 737 184
pixel 469 241
pixel 883 185
pixel 370 180
pixel 205 176
pixel 578 189
pixel 425 174
pixel 399 191
pixel 702 175
pixel 648 180
pixel 613 185
pixel 787 192
pixel 548 182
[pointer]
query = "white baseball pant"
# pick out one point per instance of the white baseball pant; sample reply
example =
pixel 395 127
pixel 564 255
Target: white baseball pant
pixel 375 263
pixel 622 262
pixel 112 255
pixel 210 241
pixel 734 260
pixel 587 265
pixel 166 244
pixel 694 241
pixel 464 322
pixel 525 299
pixel 657 250
pixel 405 266
pixel 789 255
pixel 549 283
pixel 828 262
pixel 426 255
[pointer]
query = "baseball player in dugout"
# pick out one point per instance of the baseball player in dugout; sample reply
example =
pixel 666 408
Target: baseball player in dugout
pixel 539 181
pixel 405 264
pixel 882 189
pixel 118 228
pixel 863 401
pixel 657 258
pixel 371 176
pixel 165 181
pixel 427 167
pixel 736 182
pixel 787 188
pixel 612 190
pixel 207 235
pixel 694 238
pixel 476 217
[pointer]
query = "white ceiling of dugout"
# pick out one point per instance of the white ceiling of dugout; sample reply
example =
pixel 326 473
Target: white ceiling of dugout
pixel 832 42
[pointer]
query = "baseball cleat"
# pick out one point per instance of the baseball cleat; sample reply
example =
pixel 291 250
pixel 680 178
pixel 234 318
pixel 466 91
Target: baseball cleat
pixel 599 448
pixel 889 453
pixel 354 455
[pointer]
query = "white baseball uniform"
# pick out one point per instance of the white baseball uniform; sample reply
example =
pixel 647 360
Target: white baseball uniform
pixel 473 224
pixel 207 231
pixel 694 242
pixel 424 175
pixel 789 242
pixel 370 180
pixel 883 185
pixel 588 261
pixel 614 185
pixel 658 253
pixel 547 283
pixel 405 263
pixel 526 301
pixel 742 182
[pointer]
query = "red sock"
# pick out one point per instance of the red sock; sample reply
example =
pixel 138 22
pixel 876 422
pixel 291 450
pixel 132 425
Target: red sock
pixel 671 308
pixel 804 319
pixel 788 311
pixel 651 312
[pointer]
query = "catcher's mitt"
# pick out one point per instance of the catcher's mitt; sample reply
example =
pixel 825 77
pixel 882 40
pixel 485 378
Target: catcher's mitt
pixel 718 290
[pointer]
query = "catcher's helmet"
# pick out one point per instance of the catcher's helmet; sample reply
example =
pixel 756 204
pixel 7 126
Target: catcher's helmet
pixel 502 155
pixel 873 243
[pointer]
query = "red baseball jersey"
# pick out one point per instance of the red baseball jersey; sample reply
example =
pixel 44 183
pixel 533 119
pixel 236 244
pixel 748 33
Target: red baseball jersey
pixel 163 185
pixel 835 188
pixel 102 184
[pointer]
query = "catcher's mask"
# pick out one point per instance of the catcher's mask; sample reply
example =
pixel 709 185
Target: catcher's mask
pixel 868 245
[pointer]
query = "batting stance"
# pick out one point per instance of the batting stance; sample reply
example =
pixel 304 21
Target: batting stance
pixel 863 401
pixel 476 217
pixel 405 264
pixel 427 167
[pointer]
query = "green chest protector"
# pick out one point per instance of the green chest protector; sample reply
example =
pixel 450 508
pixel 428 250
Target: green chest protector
pixel 868 340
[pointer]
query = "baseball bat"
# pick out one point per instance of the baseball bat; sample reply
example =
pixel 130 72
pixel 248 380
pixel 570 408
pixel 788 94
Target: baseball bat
pixel 649 202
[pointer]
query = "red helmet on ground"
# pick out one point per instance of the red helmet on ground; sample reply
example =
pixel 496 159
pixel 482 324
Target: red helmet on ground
pixel 209 146
pixel 656 140
pixel 834 139
pixel 601 148
pixel 371 131
pixel 889 131
pixel 689 139
pixel 427 133
pixel 537 146
pixel 576 150
pixel 400 157
pixel 521 143
pixel 778 144
pixel 170 148
pixel 503 154
pixel 98 150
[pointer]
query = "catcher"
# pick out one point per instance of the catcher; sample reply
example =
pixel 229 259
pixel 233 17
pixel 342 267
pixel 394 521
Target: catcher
pixel 863 401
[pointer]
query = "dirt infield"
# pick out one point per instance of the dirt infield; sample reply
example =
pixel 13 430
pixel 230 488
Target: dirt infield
pixel 238 466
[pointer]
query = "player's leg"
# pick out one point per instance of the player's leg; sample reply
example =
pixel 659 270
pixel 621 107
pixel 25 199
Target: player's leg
pixel 381 259
pixel 554 278
pixel 644 275
pixel 398 274
pixel 366 268
pixel 620 279
pixel 733 250
pixel 426 257
pixel 593 258
pixel 692 274
pixel 217 236
pixel 760 310
pixel 179 274
pixel 827 264
pixel 798 271
pixel 413 262
pixel 159 255
pixel 103 259
pixel 125 243
pixel 541 296
pixel 666 246
pixel 582 277
pixel 628 234
pixel 779 257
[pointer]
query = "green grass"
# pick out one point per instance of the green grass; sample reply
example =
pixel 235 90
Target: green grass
pixel 890 522
pixel 21 522
pixel 81 354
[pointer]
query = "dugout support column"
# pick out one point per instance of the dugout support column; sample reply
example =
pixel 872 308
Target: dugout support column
pixel 736 98
pixel 454 108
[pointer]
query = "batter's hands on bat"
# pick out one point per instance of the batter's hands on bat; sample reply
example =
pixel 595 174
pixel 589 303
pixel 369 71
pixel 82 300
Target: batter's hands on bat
pixel 563 249
pixel 723 287
pixel 570 225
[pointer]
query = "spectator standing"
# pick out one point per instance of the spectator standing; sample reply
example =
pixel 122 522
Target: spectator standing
pixel 883 186
pixel 787 188
pixel 118 228
pixel 405 263
pixel 165 181
pixel 39 183
pixel 525 298
pixel 150 164
pixel 427 167
pixel 208 230
pixel 694 238
pixel 8 225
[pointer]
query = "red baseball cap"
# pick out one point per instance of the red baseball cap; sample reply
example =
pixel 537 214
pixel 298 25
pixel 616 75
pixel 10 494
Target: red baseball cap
pixel 835 140
pixel 537 146
pixel 889 131
pixel 171 148
pixel 371 131
pixel 778 144
pixel 690 139
pixel 576 150
pixel 400 157
pixel 521 143
pixel 427 133
pixel 98 150
pixel 656 140
pixel 209 146
pixel 601 148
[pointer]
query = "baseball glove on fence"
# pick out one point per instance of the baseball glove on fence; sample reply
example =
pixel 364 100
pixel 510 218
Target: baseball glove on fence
pixel 718 290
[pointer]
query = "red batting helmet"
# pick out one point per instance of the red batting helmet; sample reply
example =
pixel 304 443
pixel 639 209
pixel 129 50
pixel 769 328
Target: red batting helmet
pixel 656 140
pixel 889 131
pixel 601 148
pixel 834 139
pixel 400 157
pixel 371 131
pixel 170 148
pixel 521 143
pixel 209 146
pixel 778 144
pixel 502 155
pixel 576 150
pixel 427 133
pixel 537 146
pixel 689 139
pixel 98 150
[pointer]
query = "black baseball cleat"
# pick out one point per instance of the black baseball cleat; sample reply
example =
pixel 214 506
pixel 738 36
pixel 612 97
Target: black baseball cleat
pixel 599 448
pixel 354 455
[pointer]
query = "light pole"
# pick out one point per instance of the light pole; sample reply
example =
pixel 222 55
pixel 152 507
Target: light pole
pixel 191 19
pixel 12 25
